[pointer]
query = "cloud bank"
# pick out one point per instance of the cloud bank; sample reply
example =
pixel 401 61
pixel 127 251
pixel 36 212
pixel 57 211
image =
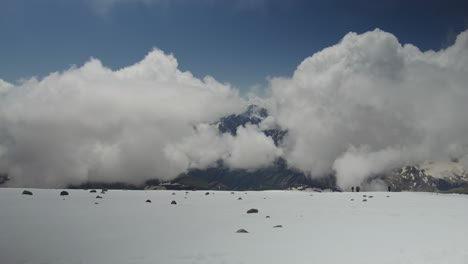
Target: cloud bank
pixel 368 104
pixel 356 109
pixel 94 124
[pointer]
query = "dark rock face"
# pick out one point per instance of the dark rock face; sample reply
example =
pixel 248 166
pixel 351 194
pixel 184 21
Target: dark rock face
pixel 26 192
pixel 173 202
pixel 252 211
pixel 242 231
pixel 416 178
pixel 3 178
pixel 63 193
pixel 278 176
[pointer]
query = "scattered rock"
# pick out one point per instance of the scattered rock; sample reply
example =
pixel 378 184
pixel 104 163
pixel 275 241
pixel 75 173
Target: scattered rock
pixel 186 192
pixel 232 193
pixel 240 198
pixel 173 202
pixel 252 211
pixel 245 193
pixel 104 190
pixel 92 191
pixel 267 216
pixel 96 203
pixel 311 195
pixel 98 197
pixel 148 201
pixel 63 193
pixel 26 192
pixel 388 196
pixel 364 200
pixel 207 193
pixel 371 196
pixel 278 226
pixel 352 199
pixel 173 193
pixel 364 195
pixel 242 231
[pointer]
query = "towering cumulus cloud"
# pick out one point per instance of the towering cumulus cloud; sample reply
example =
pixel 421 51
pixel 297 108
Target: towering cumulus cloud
pixel 94 124
pixel 356 109
pixel 369 104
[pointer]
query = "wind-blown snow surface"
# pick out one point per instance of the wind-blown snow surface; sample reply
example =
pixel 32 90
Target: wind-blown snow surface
pixel 322 228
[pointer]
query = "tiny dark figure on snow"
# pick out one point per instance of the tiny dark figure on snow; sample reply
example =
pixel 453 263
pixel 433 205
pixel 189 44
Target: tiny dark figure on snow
pixel 358 188
pixel 389 188
pixel 352 189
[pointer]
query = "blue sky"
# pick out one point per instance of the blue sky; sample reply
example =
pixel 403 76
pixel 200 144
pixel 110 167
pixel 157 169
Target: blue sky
pixel 237 41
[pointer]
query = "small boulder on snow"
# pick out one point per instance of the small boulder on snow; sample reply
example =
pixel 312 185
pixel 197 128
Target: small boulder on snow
pixel 207 193
pixel 240 198
pixel 242 231
pixel 278 226
pixel 92 191
pixel 173 202
pixel 148 201
pixel 26 192
pixel 98 197
pixel 252 211
pixel 63 193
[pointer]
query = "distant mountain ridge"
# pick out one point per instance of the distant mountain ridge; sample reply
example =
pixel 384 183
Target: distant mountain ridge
pixel 253 115
pixel 430 176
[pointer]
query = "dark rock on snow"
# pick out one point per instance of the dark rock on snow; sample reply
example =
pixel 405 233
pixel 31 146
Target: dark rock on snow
pixel 148 201
pixel 278 226
pixel 241 231
pixel 252 211
pixel 63 193
pixel 26 192
pixel 173 202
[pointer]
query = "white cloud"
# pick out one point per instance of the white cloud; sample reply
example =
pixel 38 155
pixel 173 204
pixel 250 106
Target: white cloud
pixel 4 86
pixel 369 90
pixel 94 124
pixel 250 149
pixel 358 108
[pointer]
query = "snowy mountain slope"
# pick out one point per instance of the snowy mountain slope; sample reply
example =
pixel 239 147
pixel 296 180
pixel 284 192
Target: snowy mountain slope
pixel 253 115
pixel 429 176
pixel 323 228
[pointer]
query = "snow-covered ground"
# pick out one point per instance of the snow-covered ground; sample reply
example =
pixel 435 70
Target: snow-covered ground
pixel 322 228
